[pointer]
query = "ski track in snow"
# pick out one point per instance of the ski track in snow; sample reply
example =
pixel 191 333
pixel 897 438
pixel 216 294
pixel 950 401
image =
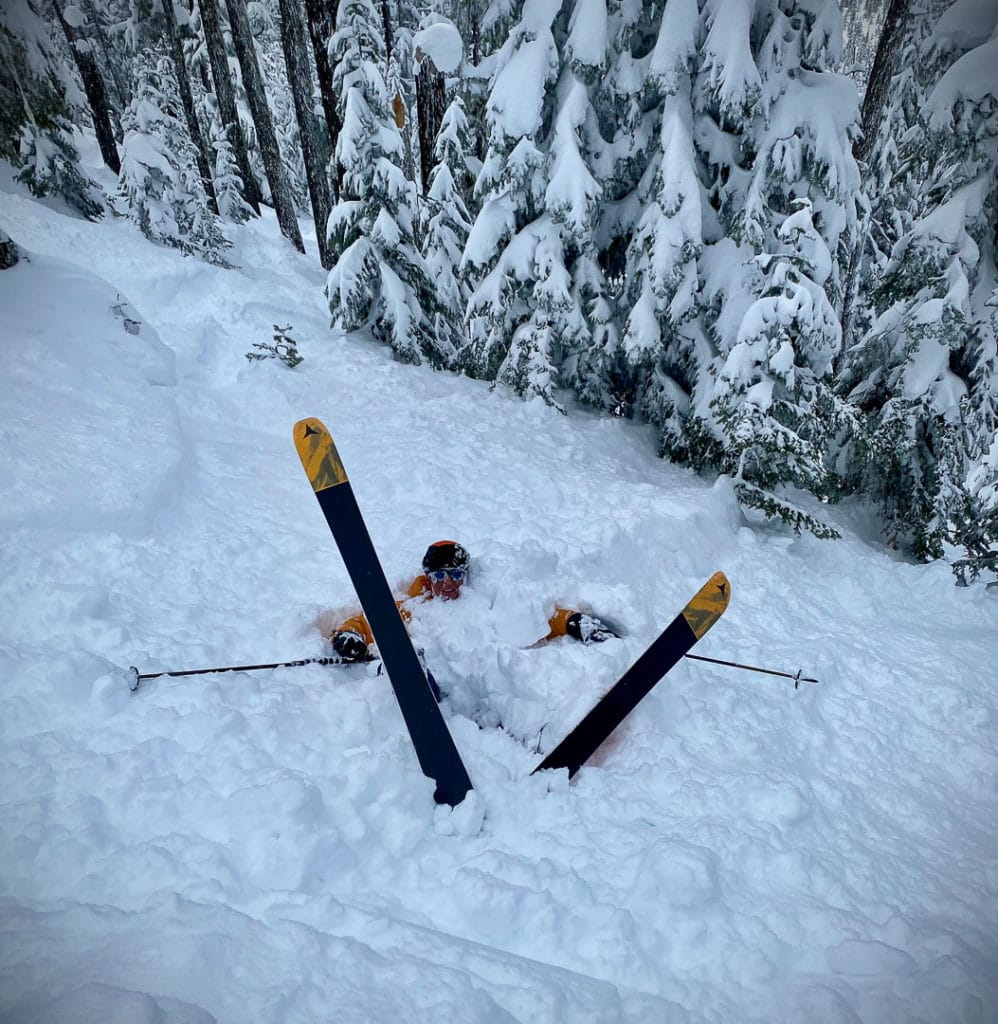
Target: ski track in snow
pixel 262 846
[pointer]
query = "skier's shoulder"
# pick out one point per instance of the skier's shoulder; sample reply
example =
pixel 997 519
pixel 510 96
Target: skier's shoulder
pixel 420 587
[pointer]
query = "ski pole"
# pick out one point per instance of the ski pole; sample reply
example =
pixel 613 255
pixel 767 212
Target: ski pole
pixel 138 676
pixel 795 676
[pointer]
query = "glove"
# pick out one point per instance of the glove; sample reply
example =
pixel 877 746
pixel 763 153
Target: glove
pixel 588 628
pixel 350 646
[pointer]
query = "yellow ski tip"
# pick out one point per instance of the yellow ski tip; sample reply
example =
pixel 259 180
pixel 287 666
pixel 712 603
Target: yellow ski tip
pixel 318 454
pixel 708 604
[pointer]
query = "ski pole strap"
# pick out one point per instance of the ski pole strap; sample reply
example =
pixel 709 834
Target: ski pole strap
pixel 795 676
pixel 138 676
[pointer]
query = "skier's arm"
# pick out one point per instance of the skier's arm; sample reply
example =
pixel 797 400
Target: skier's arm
pixel 586 628
pixel 352 638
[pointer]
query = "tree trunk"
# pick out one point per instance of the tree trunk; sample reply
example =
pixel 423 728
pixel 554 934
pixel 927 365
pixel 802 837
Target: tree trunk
pixel 256 95
pixel 431 104
pixel 313 143
pixel 871 118
pixel 321 18
pixel 187 99
pixel 118 95
pixel 386 21
pixel 93 86
pixel 226 96
pixel 883 70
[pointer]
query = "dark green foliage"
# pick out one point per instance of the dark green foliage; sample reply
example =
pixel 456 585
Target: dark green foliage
pixel 283 347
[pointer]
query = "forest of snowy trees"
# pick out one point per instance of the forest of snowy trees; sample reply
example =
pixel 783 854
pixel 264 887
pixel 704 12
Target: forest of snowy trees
pixel 711 215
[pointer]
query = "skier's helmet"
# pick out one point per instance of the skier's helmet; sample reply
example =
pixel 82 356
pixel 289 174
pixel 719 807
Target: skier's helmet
pixel 445 554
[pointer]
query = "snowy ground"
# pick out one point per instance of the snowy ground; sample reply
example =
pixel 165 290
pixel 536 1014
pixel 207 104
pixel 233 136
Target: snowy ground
pixel 262 847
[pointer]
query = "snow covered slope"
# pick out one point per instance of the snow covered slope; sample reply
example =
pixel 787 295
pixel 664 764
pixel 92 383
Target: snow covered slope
pixel 262 847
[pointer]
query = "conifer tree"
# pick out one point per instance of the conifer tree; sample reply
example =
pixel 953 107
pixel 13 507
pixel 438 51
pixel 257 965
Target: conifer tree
pixel 256 96
pixel 378 279
pixel 773 402
pixel 36 117
pixel 652 367
pixel 773 131
pixel 225 98
pixel 532 246
pixel 923 374
pixel 74 26
pixel 229 189
pixel 312 141
pixel 447 230
pixel 160 186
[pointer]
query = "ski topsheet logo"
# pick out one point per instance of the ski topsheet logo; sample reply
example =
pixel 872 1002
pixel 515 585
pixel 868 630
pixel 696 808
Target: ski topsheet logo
pixel 318 454
pixel 708 604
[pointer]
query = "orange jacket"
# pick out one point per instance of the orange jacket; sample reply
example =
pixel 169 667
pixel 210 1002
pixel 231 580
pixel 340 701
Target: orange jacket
pixel 420 587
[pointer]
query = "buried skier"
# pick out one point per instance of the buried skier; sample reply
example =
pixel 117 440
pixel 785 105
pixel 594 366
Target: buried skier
pixel 446 565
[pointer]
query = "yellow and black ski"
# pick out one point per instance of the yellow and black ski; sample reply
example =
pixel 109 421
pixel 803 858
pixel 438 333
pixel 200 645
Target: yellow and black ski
pixel 435 749
pixel 624 696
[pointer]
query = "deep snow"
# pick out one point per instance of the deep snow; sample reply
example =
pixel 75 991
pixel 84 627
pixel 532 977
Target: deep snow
pixel 262 847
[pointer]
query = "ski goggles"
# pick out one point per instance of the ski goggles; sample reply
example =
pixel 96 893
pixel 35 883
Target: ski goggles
pixel 439 575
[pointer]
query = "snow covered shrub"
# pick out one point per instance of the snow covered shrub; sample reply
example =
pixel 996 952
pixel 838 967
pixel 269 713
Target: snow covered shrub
pixel 283 347
pixel 159 186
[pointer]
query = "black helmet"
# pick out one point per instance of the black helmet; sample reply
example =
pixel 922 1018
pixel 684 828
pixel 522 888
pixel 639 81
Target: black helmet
pixel 445 554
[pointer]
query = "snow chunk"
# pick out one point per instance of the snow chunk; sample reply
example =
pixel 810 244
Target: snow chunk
pixel 972 78
pixel 442 43
pixel 966 24
pixel 587 40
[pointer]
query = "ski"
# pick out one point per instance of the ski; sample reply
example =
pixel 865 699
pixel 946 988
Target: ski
pixel 623 697
pixel 438 756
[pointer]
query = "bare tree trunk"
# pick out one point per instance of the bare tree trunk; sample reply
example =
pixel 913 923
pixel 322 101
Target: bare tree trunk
pixel 187 100
pixel 884 67
pixel 118 95
pixel 93 86
pixel 226 96
pixel 321 18
pixel 284 206
pixel 431 104
pixel 386 21
pixel 313 143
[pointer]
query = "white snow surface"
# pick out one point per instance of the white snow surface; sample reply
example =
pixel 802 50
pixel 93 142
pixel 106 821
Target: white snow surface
pixel 262 846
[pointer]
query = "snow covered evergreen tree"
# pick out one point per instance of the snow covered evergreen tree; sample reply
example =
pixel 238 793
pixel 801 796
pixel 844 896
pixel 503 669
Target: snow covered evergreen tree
pixel 447 229
pixel 36 115
pixel 228 184
pixel 773 401
pixel 378 279
pixel 658 222
pixel 532 247
pixel 773 130
pixel 924 373
pixel 159 186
